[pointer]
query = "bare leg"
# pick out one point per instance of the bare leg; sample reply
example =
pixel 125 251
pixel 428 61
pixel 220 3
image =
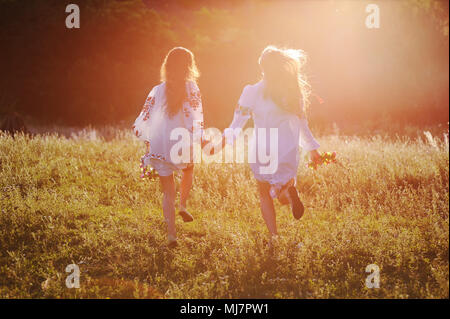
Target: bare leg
pixel 168 188
pixel 267 208
pixel 185 185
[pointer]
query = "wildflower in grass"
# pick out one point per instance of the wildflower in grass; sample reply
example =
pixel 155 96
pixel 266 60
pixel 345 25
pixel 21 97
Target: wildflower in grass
pixel 325 158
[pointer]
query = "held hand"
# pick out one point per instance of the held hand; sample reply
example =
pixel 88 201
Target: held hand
pixel 211 150
pixel 216 147
pixel 204 143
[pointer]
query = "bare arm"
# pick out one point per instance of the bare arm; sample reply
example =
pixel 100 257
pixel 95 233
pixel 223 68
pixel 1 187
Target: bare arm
pixel 241 116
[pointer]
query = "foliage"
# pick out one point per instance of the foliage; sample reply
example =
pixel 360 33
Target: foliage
pixel 102 72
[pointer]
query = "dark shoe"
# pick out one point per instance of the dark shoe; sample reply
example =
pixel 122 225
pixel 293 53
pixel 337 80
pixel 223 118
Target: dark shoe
pixel 296 204
pixel 186 216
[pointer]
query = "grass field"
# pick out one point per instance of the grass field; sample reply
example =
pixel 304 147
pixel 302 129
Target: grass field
pixel 80 200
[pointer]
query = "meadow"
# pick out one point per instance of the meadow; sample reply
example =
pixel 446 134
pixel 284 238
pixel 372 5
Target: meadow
pixel 79 199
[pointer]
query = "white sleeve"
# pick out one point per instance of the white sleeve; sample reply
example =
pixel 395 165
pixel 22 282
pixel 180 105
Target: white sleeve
pixel 141 124
pixel 193 116
pixel 247 97
pixel 242 114
pixel 307 140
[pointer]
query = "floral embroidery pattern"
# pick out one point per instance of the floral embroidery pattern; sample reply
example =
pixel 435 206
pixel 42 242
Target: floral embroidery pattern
pixel 198 126
pixel 149 103
pixel 186 111
pixel 157 156
pixel 136 131
pixel 195 99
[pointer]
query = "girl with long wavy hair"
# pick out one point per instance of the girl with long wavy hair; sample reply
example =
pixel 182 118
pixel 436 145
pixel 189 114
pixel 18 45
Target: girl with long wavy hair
pixel 277 103
pixel 173 104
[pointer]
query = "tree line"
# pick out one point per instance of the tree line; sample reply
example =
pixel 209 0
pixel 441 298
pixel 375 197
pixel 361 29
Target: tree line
pixel 102 72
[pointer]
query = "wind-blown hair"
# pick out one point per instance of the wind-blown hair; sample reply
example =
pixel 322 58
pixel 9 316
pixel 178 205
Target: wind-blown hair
pixel 178 68
pixel 285 85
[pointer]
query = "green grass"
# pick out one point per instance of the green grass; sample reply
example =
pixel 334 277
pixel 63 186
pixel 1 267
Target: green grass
pixel 80 200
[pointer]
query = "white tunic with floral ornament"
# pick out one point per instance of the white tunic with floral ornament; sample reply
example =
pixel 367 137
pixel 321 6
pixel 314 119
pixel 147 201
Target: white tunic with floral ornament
pixel 154 126
pixel 292 133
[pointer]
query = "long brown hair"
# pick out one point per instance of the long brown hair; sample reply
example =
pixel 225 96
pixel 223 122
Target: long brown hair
pixel 178 68
pixel 284 83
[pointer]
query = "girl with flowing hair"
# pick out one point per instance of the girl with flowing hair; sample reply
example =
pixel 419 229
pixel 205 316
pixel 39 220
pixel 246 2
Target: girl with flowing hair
pixel 173 104
pixel 278 102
